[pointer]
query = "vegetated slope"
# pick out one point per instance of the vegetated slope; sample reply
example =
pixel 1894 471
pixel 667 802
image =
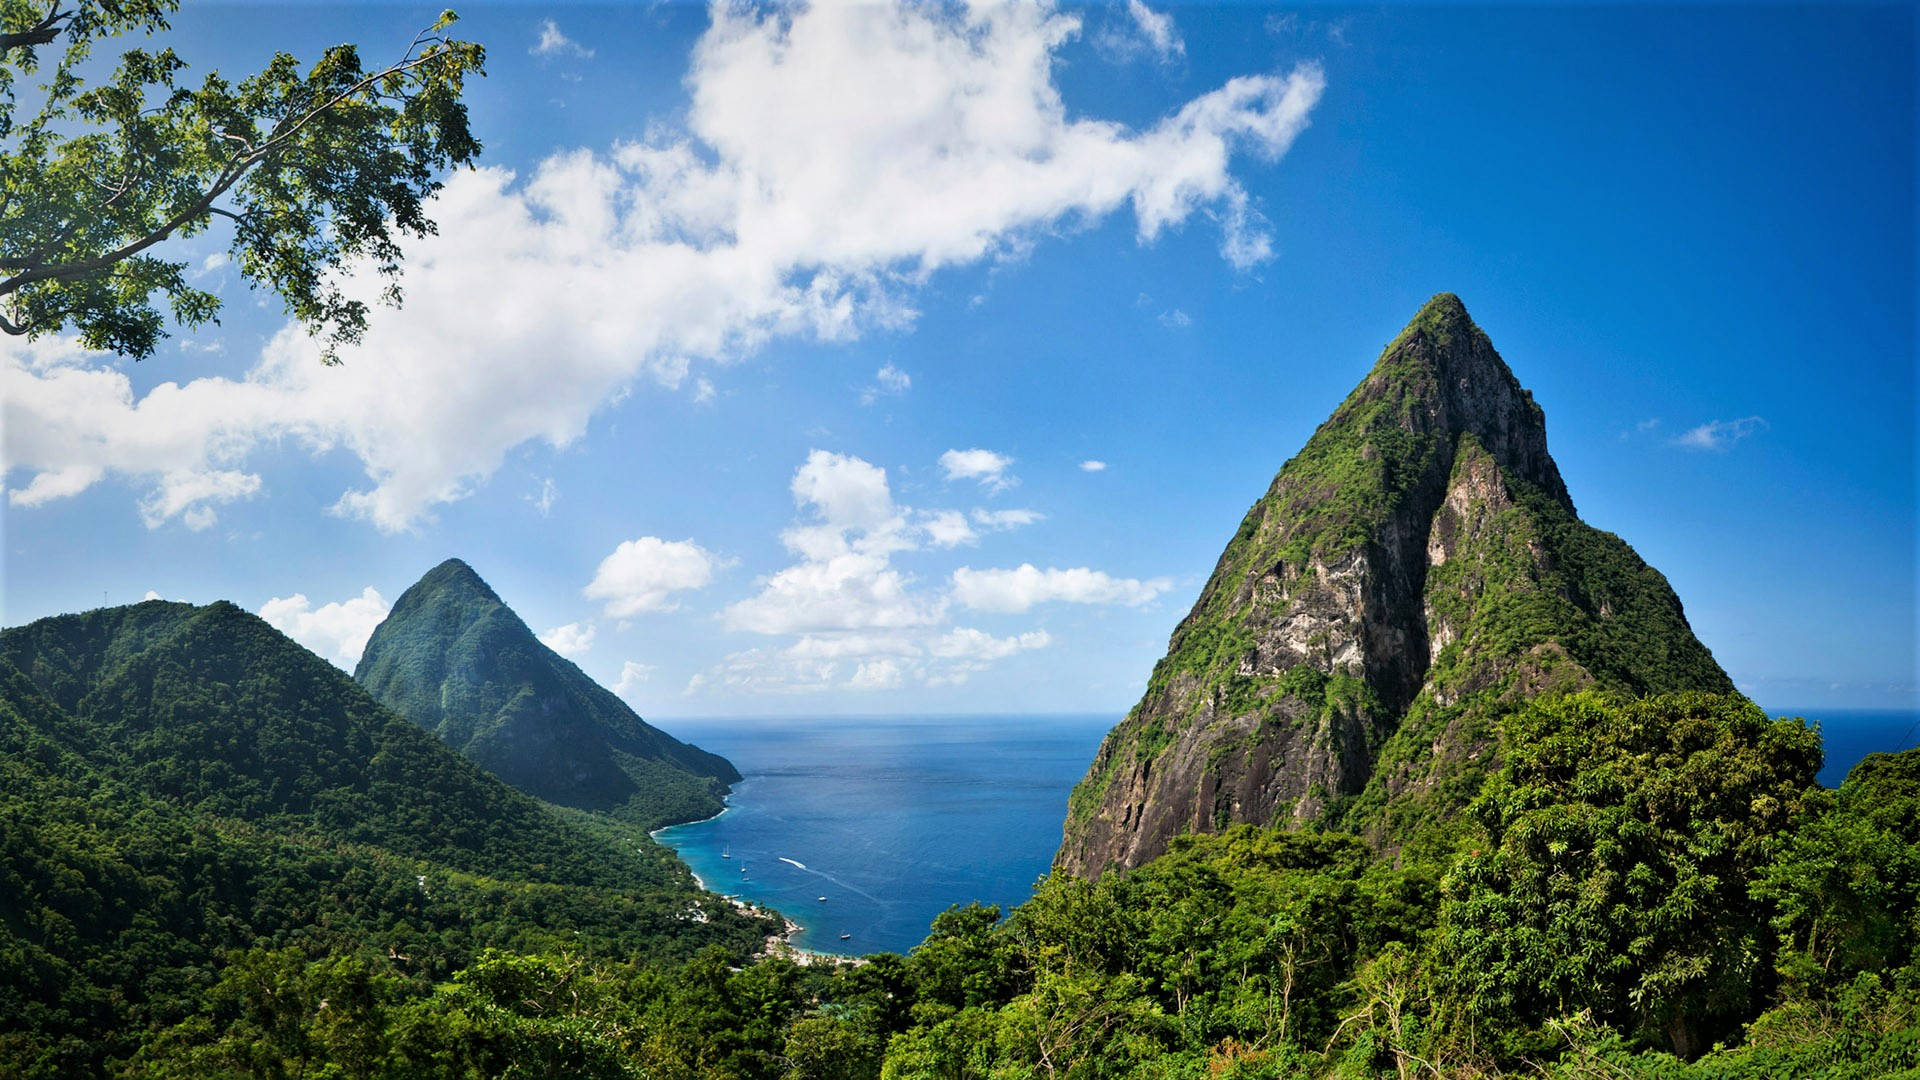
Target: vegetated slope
pixel 1417 570
pixel 177 782
pixel 457 661
pixel 1643 876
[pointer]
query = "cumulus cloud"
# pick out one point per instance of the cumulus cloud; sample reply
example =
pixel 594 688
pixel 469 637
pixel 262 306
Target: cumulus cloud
pixel 1021 588
pixel 1093 466
pixel 967 643
pixel 632 674
pixel 817 663
pixel 570 640
pixel 858 621
pixel 1720 434
pixel 832 159
pixel 554 43
pixel 337 632
pixel 983 465
pixel 1158 30
pixel 845 579
pixel 948 528
pixel 642 575
pixel 888 380
pixel 999 520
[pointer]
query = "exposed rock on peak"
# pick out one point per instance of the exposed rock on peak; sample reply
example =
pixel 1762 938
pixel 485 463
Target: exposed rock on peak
pixel 1415 569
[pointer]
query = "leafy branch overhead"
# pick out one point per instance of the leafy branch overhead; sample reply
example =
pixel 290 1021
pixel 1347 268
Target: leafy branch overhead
pixel 313 170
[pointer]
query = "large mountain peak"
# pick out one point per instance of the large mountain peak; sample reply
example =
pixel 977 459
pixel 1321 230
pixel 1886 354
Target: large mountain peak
pixel 456 660
pixel 1442 377
pixel 1417 568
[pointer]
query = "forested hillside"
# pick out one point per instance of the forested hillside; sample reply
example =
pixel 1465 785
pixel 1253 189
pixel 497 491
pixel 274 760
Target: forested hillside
pixel 183 782
pixel 1645 887
pixel 453 658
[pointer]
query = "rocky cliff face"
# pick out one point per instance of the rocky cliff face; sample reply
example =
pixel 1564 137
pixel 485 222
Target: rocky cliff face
pixel 457 661
pixel 1416 569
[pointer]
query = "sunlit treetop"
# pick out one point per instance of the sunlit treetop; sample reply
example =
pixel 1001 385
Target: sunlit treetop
pixel 313 169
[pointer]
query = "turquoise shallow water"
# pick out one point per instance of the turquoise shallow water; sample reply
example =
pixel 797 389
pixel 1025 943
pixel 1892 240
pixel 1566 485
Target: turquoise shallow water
pixel 893 820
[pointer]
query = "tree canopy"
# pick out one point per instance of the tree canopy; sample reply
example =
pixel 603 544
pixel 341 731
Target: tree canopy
pixel 313 169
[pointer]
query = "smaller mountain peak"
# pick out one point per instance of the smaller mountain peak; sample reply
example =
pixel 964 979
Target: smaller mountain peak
pixel 456 574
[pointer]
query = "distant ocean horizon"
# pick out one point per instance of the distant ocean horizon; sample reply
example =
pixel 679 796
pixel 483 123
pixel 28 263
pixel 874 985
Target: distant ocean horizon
pixel 894 819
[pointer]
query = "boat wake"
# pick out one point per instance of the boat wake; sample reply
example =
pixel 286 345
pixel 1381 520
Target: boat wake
pixel 796 863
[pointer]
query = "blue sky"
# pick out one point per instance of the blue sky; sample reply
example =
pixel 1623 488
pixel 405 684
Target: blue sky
pixel 764 362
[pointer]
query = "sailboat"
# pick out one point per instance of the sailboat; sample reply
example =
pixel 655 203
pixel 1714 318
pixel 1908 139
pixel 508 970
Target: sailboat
pixel 726 853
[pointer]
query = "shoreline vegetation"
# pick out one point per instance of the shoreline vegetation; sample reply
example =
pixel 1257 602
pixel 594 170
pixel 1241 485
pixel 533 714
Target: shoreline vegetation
pixel 777 945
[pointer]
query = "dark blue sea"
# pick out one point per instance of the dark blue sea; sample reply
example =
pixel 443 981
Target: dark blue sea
pixel 894 820
pixel 1851 734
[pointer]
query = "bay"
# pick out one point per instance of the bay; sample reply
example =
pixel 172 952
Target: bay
pixel 895 819
pixel 892 819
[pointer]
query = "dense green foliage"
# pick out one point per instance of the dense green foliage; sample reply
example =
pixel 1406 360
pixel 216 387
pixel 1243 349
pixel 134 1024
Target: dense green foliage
pixel 313 168
pixel 1622 838
pixel 1643 887
pixel 1631 874
pixel 178 782
pixel 457 661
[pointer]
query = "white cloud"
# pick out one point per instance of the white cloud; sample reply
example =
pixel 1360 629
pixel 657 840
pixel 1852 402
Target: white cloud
pixel 833 158
pixel 1175 319
pixel 893 379
pixel 642 574
pixel 632 674
pixel 882 674
pixel 964 642
pixel 1000 520
pixel 1093 466
pixel 549 494
pixel 858 622
pixel 865 661
pixel 888 380
pixel 1021 588
pixel 570 640
pixel 337 632
pixel 554 43
pixel 1720 434
pixel 845 579
pixel 1157 29
pixel 983 465
pixel 948 528
pixel 151 595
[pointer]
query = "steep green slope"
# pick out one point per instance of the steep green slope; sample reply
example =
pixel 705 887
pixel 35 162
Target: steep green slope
pixel 457 661
pixel 1414 572
pixel 211 786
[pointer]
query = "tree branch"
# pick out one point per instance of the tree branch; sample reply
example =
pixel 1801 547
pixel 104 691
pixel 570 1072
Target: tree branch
pixel 228 176
pixel 41 33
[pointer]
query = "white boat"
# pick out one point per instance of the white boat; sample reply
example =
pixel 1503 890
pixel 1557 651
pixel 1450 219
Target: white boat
pixel 823 899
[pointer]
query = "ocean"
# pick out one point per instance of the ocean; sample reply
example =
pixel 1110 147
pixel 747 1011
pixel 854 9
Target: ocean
pixel 893 820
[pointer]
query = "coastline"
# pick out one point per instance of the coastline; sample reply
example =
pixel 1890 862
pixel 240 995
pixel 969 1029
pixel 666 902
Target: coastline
pixel 779 944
